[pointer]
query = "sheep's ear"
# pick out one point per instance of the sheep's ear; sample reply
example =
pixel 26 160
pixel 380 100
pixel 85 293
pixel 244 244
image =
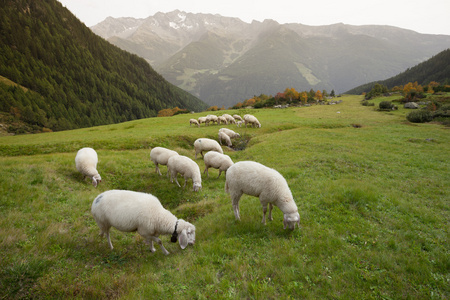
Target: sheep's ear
pixel 182 239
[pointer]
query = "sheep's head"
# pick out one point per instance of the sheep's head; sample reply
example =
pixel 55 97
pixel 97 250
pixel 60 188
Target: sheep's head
pixel 187 236
pixel 197 186
pixel 290 220
pixel 96 179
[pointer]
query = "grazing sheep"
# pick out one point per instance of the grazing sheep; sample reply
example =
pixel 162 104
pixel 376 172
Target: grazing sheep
pixel 229 132
pixel 239 123
pixel 86 163
pixel 255 179
pixel 211 118
pixel 204 144
pixel 251 119
pixel 193 121
pixel 222 120
pixel 229 118
pixel 216 160
pixel 238 117
pixel 187 168
pixel 160 155
pixel 130 211
pixel 201 120
pixel 224 137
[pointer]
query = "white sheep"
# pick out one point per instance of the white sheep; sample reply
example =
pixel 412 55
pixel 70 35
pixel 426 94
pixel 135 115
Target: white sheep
pixel 187 168
pixel 229 118
pixel 160 155
pixel 130 211
pixel 204 144
pixel 252 120
pixel 201 120
pixel 225 137
pixel 211 118
pixel 238 117
pixel 255 179
pixel 239 123
pixel 86 163
pixel 230 133
pixel 193 121
pixel 222 120
pixel 216 160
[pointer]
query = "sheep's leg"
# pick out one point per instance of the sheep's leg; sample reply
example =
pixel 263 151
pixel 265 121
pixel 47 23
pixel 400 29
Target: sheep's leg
pixel 270 212
pixel 176 180
pixel 206 171
pixel 157 169
pixel 185 182
pixel 157 240
pixel 109 239
pixel 150 243
pixel 235 202
pixel 220 172
pixel 264 213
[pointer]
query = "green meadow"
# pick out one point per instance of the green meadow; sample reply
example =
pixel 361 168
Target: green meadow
pixel 372 191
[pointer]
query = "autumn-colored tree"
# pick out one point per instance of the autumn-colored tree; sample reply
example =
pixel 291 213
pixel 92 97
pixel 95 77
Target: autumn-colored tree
pixel 249 102
pixel 304 97
pixel 168 112
pixel 213 108
pixel 291 94
pixel 318 96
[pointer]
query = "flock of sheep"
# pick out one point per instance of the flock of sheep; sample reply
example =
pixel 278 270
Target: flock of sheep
pixel 131 211
pixel 226 119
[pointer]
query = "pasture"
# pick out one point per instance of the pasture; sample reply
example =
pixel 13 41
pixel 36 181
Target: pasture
pixel 372 191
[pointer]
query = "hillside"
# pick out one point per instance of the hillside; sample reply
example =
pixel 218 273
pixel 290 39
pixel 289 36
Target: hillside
pixel 73 77
pixel 224 60
pixel 436 69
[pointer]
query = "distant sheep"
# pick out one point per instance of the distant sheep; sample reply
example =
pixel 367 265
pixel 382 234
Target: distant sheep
pixel 255 179
pixel 222 120
pixel 229 118
pixel 160 155
pixel 224 137
pixel 216 160
pixel 211 118
pixel 252 120
pixel 238 117
pixel 129 211
pixel 204 144
pixel 230 133
pixel 187 168
pixel 239 123
pixel 194 121
pixel 201 120
pixel 86 163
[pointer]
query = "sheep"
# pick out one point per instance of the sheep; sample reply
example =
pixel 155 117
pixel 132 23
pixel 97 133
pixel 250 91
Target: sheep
pixel 217 161
pixel 255 179
pixel 201 120
pixel 222 120
pixel 130 211
pixel 251 119
pixel 225 137
pixel 86 163
pixel 229 132
pixel 204 144
pixel 238 117
pixel 160 155
pixel 229 118
pixel 211 118
pixel 193 121
pixel 187 168
pixel 239 123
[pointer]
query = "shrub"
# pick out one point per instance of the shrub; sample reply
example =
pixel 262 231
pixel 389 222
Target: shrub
pixel 420 116
pixel 367 103
pixel 385 105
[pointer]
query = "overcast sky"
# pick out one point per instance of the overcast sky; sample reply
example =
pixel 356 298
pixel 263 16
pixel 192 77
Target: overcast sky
pixel 431 16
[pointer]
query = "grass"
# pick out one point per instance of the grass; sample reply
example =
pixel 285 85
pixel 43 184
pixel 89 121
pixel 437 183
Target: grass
pixel 373 201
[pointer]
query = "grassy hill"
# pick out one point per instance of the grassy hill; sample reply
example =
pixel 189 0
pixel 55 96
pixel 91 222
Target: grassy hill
pixel 435 69
pixel 371 188
pixel 75 78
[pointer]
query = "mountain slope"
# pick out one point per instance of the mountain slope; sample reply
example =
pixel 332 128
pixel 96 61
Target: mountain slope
pixel 225 60
pixel 436 69
pixel 80 79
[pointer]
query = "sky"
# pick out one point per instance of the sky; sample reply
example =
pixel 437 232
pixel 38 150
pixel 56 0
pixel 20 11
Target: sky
pixel 431 16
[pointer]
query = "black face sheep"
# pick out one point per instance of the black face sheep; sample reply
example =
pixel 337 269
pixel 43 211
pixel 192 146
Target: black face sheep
pixel 160 155
pixel 86 163
pixel 204 144
pixel 130 211
pixel 255 179
pixel 217 160
pixel 187 168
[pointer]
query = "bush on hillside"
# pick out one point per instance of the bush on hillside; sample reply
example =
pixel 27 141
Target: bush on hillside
pixel 420 116
pixel 386 105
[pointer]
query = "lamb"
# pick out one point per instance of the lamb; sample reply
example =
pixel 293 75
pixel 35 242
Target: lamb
pixel 187 168
pixel 204 144
pixel 193 121
pixel 130 211
pixel 251 119
pixel 86 163
pixel 217 161
pixel 160 155
pixel 224 137
pixel 239 123
pixel 229 132
pixel 201 120
pixel 238 117
pixel 222 120
pixel 255 179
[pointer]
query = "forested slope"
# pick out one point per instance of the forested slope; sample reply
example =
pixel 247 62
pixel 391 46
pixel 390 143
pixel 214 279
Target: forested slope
pixel 74 78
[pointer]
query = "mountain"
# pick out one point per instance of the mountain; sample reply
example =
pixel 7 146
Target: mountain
pixel 435 69
pixel 59 75
pixel 224 60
